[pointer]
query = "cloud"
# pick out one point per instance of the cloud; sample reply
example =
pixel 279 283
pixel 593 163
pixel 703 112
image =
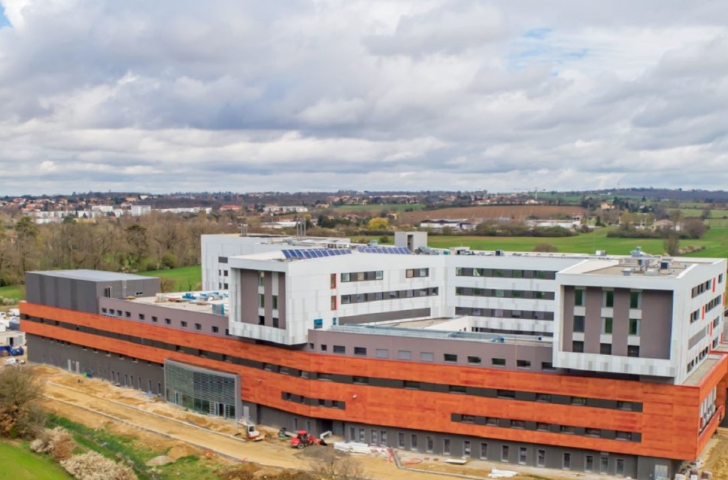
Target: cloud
pixel 322 95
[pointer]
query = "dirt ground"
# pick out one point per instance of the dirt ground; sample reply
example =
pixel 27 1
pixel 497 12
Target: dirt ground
pixel 87 401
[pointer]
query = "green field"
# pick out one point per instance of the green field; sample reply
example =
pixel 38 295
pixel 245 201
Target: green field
pixel 21 464
pixel 186 278
pixel 394 207
pixel 696 212
pixel 715 242
pixel 13 291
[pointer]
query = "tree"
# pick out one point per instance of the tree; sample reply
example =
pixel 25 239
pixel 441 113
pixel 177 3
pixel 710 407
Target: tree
pixel 337 466
pixel 545 247
pixel 694 227
pixel 672 244
pixel 378 224
pixel 20 392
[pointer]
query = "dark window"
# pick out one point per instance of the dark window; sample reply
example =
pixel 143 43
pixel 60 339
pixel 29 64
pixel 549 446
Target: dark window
pixel 609 298
pixel 499 362
pixel 450 357
pixel 474 360
pixel 411 385
pixel 339 349
pixel 605 348
pixel 578 401
pixel 215 329
pixel 361 380
pixel 141 316
pixel 578 324
pixel 275 322
pixel 543 397
pixel 577 347
pixel 624 405
pixel 184 324
pixel 506 394
pixel 518 424
pixel 198 326
pixel 155 319
pixel 544 427
pixel 593 432
pixel 324 347
pixel 547 366
pixel 261 320
pixel 457 389
pixel 523 364
pixel 568 429
pixel 633 351
pixel 360 351
pixel 579 298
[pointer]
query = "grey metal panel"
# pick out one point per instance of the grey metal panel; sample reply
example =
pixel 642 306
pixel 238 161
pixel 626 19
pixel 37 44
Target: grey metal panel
pixel 384 316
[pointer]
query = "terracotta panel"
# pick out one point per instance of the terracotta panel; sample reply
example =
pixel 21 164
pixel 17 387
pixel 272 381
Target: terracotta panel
pixel 668 424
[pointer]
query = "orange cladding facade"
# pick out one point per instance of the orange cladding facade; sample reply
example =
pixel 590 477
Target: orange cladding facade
pixel 669 422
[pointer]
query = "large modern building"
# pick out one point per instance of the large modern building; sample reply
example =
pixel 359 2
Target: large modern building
pixel 600 363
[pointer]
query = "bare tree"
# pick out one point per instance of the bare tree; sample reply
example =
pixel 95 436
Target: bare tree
pixel 672 244
pixel 336 466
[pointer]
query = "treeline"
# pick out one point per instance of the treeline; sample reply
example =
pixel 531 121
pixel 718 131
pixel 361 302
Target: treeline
pixel 129 244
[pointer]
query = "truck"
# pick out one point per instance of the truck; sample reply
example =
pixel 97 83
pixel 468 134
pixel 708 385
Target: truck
pixel 6 350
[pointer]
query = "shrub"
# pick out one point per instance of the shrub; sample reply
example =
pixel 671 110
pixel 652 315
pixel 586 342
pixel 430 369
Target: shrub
pixel 94 466
pixel 57 442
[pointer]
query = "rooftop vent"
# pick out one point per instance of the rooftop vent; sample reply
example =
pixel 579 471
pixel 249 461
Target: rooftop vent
pixel 652 272
pixel 626 272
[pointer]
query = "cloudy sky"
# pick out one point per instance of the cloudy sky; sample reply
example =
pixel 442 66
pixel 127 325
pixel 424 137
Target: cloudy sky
pixel 324 95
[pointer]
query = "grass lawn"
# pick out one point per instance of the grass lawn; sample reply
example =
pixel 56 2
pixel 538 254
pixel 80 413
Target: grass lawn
pixel 186 278
pixel 715 241
pixel 19 463
pixel 13 291
pixel 395 207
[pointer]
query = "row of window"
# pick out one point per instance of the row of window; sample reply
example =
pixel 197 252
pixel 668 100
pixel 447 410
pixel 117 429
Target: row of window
pixel 361 276
pixel 313 402
pixel 605 349
pixel 274 321
pixel 503 273
pixel 502 313
pixel 155 319
pixel 274 301
pixel 495 293
pixel 703 287
pixel 698 358
pixel 713 303
pixel 607 325
pixel 395 294
pixel 379 437
pixel 428 357
pixel 348 379
pixel 545 427
pixel 635 299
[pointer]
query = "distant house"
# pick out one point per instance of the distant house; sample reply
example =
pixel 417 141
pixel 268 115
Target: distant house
pixel 285 209
pixel 666 225
pixel 454 224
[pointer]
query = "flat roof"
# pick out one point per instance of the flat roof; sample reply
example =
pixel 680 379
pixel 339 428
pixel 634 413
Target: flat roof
pixel 177 302
pixel 703 369
pixel 92 275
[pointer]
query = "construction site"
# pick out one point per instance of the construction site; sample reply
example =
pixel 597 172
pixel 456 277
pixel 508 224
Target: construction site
pixel 177 433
